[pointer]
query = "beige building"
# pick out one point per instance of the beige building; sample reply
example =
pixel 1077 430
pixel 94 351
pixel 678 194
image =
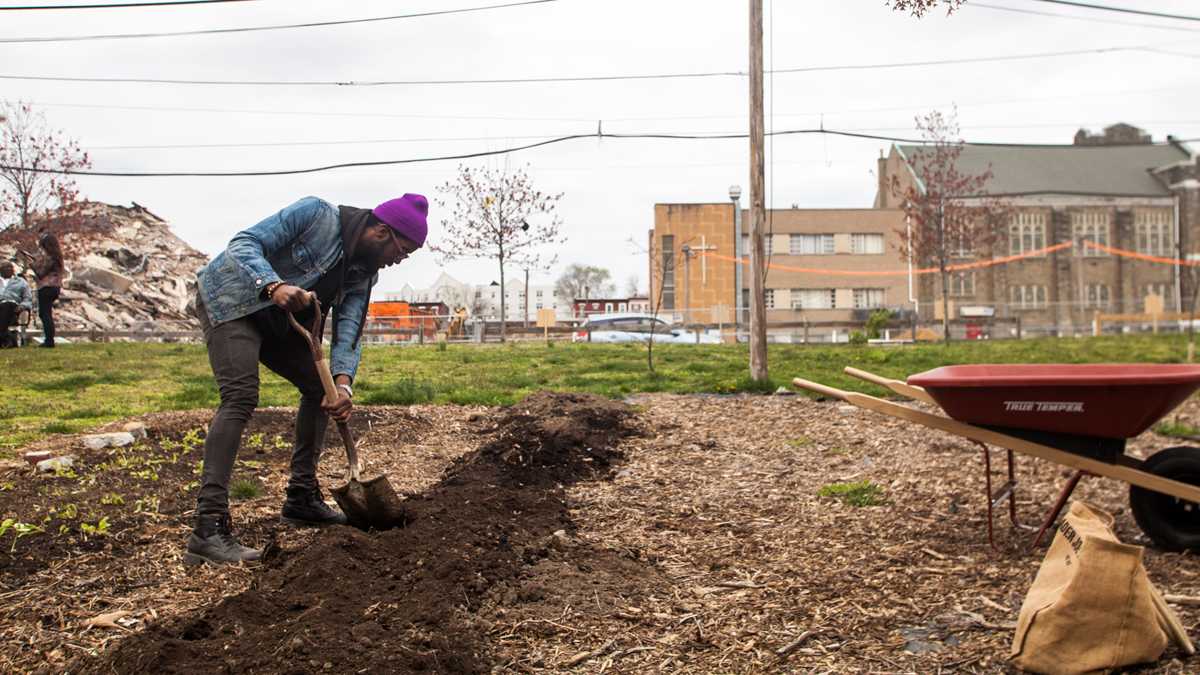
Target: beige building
pixel 824 264
pixel 691 263
pixel 832 264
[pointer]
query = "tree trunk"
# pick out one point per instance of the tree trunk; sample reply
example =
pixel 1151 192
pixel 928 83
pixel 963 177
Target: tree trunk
pixel 650 347
pixel 941 221
pixel 525 318
pixel 24 211
pixel 503 299
pixel 945 303
pixel 1191 332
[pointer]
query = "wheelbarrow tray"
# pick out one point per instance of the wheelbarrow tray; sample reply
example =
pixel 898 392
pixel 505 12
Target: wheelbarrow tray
pixel 1107 400
pixel 1164 489
pixel 1121 467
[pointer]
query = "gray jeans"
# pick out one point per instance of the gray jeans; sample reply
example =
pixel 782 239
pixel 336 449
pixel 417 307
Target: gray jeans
pixel 235 348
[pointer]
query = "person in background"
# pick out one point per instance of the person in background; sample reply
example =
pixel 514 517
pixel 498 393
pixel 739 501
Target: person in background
pixel 49 270
pixel 14 295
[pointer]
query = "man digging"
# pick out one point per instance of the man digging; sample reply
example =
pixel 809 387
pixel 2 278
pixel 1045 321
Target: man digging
pixel 244 294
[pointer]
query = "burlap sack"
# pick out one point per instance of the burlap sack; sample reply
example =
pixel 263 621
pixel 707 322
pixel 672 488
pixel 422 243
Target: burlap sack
pixel 1091 607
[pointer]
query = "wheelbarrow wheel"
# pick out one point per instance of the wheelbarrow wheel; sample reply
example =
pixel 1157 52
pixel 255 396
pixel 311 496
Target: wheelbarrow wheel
pixel 1172 523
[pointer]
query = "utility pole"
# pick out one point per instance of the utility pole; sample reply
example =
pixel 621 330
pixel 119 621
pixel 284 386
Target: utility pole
pixel 735 194
pixel 758 212
pixel 687 296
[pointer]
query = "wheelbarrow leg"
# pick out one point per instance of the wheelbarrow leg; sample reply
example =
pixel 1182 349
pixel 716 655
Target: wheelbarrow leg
pixel 1012 501
pixel 1006 491
pixel 1058 507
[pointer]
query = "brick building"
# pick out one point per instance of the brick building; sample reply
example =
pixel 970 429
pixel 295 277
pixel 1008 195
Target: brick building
pixel 807 248
pixel 1117 189
pixel 585 307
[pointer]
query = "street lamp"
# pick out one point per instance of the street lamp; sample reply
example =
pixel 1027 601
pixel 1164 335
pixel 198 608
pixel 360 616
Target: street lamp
pixel 687 252
pixel 735 194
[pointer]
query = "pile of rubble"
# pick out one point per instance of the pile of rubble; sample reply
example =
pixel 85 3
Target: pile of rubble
pixel 126 270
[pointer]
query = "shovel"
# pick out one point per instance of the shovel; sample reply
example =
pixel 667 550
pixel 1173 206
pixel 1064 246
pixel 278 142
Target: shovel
pixel 372 503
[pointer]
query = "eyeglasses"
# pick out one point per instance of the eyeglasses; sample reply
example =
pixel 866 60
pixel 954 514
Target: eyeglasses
pixel 404 250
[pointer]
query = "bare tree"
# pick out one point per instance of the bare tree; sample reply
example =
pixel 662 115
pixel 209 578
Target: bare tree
pixel 583 281
pixel 1191 282
pixel 30 154
pixel 532 262
pixel 660 267
pixel 918 8
pixel 490 218
pixel 480 306
pixel 631 286
pixel 949 212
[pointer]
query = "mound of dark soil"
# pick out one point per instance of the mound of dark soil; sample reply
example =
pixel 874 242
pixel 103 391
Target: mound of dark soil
pixel 404 600
pixel 555 437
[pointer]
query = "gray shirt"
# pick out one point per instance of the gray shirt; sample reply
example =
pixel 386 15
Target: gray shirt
pixel 15 290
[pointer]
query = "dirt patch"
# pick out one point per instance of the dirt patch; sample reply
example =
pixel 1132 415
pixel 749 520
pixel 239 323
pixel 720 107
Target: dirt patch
pixel 711 547
pixel 121 486
pixel 55 578
pixel 409 599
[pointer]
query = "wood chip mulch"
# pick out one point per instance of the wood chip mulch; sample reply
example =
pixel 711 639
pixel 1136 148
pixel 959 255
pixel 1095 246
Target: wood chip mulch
pixel 707 550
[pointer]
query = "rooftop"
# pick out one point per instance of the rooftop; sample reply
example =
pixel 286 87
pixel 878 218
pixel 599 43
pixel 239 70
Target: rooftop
pixel 1108 170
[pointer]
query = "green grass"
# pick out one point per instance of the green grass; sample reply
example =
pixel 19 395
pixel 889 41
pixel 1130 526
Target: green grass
pixel 81 386
pixel 245 488
pixel 58 428
pixel 1177 430
pixel 860 493
pixel 405 391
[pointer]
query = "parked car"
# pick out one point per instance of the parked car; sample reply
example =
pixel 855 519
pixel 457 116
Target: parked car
pixel 636 328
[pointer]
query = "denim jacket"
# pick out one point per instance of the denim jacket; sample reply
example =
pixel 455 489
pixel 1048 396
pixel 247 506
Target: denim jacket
pixel 295 246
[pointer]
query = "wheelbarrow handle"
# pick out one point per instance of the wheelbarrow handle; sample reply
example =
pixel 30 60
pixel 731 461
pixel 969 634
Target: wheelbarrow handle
pixel 831 392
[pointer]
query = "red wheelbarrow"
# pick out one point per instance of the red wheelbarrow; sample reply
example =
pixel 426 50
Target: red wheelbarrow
pixel 1076 415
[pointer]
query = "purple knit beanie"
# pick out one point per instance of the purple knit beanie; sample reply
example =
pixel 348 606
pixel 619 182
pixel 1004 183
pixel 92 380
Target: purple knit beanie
pixel 407 216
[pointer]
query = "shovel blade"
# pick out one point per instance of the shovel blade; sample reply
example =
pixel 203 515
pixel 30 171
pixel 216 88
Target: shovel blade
pixel 385 506
pixel 371 504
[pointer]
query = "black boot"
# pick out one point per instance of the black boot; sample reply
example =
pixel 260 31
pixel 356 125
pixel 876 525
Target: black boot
pixel 307 507
pixel 212 541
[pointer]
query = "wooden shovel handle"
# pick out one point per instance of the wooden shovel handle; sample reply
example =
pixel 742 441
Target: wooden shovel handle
pixel 314 343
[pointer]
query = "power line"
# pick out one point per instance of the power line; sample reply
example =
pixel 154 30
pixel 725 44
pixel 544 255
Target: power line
pixel 977 59
pixel 590 78
pixel 1073 17
pixel 494 137
pixel 288 144
pixel 894 108
pixel 115 5
pixel 309 113
pixel 505 151
pixel 374 83
pixel 253 29
pixel 593 118
pixel 1122 10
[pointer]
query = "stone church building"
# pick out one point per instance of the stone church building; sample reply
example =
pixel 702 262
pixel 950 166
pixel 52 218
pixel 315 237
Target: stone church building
pixel 1117 189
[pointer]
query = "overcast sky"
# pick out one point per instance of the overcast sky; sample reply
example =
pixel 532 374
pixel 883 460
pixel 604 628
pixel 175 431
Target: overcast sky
pixel 612 185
